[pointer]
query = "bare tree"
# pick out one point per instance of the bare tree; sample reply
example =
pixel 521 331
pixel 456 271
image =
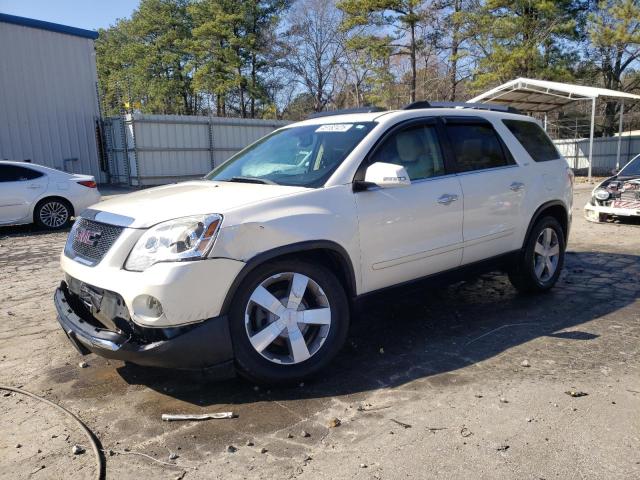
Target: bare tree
pixel 314 48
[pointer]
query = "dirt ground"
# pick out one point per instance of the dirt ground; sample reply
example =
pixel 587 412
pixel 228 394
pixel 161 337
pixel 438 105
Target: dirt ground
pixel 431 384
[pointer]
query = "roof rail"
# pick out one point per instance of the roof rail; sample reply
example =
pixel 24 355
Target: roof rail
pixel 479 106
pixel 346 111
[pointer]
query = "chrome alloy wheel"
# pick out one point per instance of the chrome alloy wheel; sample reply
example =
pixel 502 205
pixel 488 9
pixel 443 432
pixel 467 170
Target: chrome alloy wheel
pixel 288 318
pixel 54 214
pixel 546 254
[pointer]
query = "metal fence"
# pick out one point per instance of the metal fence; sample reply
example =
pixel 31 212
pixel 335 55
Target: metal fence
pixel 605 152
pixel 157 149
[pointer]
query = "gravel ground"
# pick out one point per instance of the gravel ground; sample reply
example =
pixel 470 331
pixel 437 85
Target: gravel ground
pixel 467 381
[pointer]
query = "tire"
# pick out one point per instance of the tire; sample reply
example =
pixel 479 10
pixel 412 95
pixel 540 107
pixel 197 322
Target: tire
pixel 282 359
pixel 531 273
pixel 53 214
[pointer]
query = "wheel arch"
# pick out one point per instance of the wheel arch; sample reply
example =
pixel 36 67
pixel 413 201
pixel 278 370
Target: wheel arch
pixel 37 204
pixel 555 209
pixel 324 252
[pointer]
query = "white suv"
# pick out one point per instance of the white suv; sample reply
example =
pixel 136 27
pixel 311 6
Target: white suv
pixel 254 268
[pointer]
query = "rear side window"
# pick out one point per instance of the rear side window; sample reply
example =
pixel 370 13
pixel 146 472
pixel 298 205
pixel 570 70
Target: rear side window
pixel 533 139
pixel 14 173
pixel 477 146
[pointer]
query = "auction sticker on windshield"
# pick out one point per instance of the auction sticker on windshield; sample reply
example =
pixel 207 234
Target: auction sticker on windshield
pixel 335 127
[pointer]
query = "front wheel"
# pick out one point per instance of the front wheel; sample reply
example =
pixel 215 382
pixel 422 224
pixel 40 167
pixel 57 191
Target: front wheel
pixel 539 265
pixel 288 320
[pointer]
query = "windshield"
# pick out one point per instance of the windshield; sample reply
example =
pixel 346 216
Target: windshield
pixel 632 169
pixel 299 156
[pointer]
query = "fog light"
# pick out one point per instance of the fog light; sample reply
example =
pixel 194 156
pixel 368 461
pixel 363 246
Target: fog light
pixel 147 306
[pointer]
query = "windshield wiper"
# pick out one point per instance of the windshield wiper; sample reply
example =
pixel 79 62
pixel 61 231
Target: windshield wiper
pixel 251 180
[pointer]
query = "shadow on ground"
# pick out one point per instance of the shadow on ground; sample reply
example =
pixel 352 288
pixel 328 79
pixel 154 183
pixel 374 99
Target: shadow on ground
pixel 425 333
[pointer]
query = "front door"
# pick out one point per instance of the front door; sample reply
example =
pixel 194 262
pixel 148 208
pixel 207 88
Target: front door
pixel 412 231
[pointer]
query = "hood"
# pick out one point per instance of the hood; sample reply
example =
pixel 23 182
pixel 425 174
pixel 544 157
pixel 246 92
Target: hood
pixel 148 207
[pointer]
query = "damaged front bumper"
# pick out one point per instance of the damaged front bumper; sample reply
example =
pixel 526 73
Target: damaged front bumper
pixel 600 213
pixel 204 346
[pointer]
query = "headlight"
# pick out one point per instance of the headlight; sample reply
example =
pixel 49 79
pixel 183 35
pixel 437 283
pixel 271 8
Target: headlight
pixel 601 194
pixel 188 238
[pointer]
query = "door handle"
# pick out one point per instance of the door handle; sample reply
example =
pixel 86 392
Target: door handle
pixel 447 199
pixel 33 186
pixel 516 186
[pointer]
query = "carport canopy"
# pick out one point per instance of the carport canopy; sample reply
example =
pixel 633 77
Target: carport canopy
pixel 542 96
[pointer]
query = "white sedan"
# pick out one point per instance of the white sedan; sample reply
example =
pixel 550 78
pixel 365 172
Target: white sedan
pixel 32 193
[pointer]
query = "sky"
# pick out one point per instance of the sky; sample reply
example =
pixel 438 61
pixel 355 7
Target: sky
pixel 88 14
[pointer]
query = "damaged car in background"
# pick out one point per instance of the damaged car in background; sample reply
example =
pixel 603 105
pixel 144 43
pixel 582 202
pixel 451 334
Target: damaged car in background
pixel 617 196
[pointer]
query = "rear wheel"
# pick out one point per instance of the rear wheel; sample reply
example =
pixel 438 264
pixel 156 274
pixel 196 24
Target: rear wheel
pixel 288 320
pixel 53 214
pixel 539 265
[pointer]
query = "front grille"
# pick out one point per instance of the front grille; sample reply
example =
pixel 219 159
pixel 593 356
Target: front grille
pixel 91 240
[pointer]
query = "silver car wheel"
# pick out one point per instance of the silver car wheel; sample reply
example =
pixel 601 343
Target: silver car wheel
pixel 54 214
pixel 288 318
pixel 546 254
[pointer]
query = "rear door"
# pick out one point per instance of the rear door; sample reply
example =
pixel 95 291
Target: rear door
pixel 412 231
pixel 493 185
pixel 19 188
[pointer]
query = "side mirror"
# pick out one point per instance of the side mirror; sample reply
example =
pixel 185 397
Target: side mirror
pixel 387 175
pixel 615 171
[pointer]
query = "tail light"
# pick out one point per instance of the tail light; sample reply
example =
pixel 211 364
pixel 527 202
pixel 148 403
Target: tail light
pixel 88 183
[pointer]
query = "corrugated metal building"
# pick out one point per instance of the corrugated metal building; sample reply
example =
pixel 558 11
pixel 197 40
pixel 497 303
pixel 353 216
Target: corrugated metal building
pixel 48 96
pixel 157 149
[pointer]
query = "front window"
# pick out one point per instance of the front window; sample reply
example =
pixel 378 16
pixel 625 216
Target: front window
pixel 632 169
pixel 298 156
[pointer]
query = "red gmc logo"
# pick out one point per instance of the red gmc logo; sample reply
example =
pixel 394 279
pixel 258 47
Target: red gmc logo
pixel 88 237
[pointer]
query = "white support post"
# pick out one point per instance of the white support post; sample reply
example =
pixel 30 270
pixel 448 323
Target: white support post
pixel 593 123
pixel 545 122
pixel 620 134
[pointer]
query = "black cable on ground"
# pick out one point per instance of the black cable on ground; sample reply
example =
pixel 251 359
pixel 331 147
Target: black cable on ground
pixel 95 443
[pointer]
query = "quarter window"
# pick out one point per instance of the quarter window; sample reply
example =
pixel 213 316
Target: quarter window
pixel 533 139
pixel 477 146
pixel 416 148
pixel 14 173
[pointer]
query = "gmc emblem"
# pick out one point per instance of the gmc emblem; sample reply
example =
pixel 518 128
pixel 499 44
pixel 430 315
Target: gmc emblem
pixel 88 237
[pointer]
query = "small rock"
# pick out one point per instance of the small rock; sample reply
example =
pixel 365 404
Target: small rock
pixel 111 453
pixel 503 448
pixel 18 445
pixel 83 364
pixel 576 393
pixel 503 400
pixel 334 422
pixel 529 419
pixel 308 458
pixel 173 456
pixel 231 449
pixel 39 451
pixel 363 465
pixel 77 450
pixel 525 363
pixel 11 314
pixel 263 450
pixel 305 434
pixel 478 395
pixel 6 394
pixel 289 435
pixel 250 443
